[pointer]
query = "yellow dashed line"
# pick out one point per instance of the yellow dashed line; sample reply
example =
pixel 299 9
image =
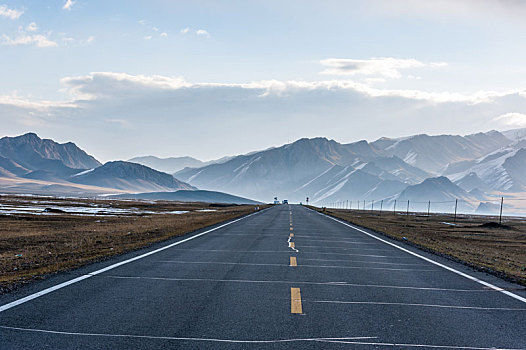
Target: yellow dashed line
pixel 293 261
pixel 292 245
pixel 295 301
pixel 292 235
pixel 291 228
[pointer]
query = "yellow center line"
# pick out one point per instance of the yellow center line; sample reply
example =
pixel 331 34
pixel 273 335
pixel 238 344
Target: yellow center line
pixel 292 245
pixel 295 301
pixel 292 235
pixel 293 261
pixel 291 229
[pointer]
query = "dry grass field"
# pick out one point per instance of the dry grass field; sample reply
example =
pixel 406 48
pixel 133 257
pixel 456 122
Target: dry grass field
pixel 35 244
pixel 478 241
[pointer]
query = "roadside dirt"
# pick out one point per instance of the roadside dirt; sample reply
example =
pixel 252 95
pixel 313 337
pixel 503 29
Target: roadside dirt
pixel 478 241
pixel 33 246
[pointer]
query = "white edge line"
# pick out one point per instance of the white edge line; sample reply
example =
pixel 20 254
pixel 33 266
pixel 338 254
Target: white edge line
pixel 184 338
pixel 484 283
pixel 413 304
pixel 343 340
pixel 94 273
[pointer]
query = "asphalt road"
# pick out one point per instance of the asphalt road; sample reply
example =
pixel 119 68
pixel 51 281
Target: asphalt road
pixel 283 278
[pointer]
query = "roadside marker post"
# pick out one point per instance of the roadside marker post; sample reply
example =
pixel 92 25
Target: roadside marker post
pixel 455 217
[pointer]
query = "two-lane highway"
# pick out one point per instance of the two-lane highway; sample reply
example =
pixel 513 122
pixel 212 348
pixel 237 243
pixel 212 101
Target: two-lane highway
pixel 283 278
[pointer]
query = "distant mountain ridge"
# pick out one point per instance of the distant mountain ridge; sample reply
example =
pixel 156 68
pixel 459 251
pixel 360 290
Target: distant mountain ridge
pixel 433 153
pixel 172 165
pixel 191 196
pixel 419 168
pixel 168 165
pixel 29 163
pixel 130 176
pixel 327 171
pixel 30 151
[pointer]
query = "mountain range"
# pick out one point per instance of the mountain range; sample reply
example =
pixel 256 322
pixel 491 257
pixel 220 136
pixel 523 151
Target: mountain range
pixel 476 169
pixel 31 164
pixel 472 168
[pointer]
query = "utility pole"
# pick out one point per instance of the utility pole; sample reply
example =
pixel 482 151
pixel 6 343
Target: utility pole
pixel 394 207
pixel 372 207
pixel 381 206
pixel 407 213
pixel 500 215
pixel 428 207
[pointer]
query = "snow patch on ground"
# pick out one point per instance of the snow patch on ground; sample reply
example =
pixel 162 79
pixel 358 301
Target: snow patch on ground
pixel 191 178
pixel 410 158
pixel 84 172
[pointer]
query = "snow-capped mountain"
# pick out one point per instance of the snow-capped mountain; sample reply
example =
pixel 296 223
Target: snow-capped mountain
pixel 502 170
pixel 433 153
pixel 327 171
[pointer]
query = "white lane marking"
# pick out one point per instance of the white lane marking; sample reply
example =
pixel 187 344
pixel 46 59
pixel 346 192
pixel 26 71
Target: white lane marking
pixel 343 248
pixel 94 273
pixel 484 283
pixel 333 241
pixel 180 338
pixel 413 304
pixel 283 265
pixel 288 252
pixel 290 245
pixel 342 284
pixel 363 262
pixel 403 345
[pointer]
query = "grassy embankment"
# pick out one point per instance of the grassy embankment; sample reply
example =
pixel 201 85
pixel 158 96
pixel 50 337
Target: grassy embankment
pixel 33 246
pixel 474 240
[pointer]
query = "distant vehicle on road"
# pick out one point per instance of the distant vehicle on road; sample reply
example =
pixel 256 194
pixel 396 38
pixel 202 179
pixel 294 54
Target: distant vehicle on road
pixel 285 201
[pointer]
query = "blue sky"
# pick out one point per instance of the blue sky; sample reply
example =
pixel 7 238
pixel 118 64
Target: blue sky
pixel 213 78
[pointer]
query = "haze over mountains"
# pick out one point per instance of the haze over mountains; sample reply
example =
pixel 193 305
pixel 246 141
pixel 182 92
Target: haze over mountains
pixel 476 169
pixel 173 164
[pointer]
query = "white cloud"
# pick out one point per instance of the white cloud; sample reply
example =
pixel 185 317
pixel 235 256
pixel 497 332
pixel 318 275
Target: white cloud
pixel 163 35
pixel 148 37
pixel 38 40
pixel 202 32
pixel 96 85
pixel 283 110
pixel 387 67
pixel 142 21
pixel 185 30
pixel 155 29
pixel 32 27
pixel 514 119
pixel 66 40
pixel 68 5
pixel 10 13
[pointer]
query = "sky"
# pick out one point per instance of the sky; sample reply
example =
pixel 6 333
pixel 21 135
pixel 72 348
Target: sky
pixel 207 79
